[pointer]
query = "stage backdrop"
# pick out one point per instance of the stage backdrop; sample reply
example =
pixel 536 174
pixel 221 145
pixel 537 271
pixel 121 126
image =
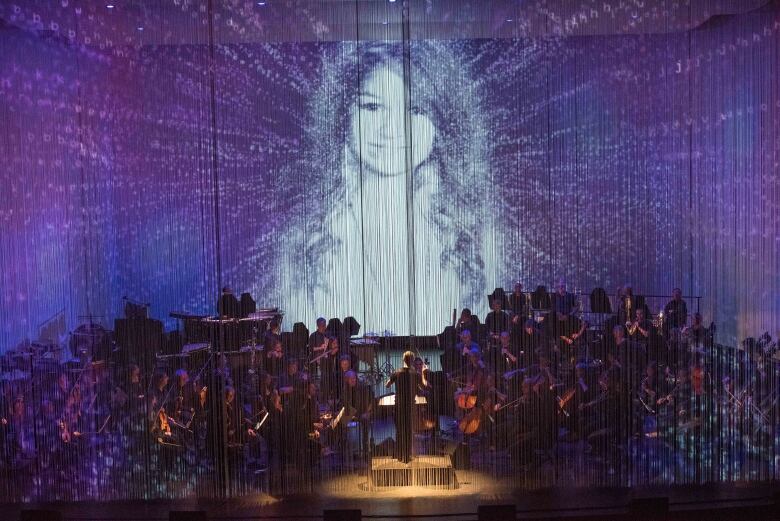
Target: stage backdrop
pixel 386 162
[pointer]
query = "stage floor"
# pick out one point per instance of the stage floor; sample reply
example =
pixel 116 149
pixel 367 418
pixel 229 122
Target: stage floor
pixel 428 503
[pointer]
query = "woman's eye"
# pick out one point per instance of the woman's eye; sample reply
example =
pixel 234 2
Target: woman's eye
pixel 417 111
pixel 372 107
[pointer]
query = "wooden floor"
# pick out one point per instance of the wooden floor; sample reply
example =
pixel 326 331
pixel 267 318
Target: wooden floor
pixel 736 501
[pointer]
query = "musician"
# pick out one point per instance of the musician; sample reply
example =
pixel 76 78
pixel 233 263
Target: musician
pixel 273 333
pixel 527 414
pixel 640 329
pixel 20 438
pixel 293 378
pixel 569 332
pixel 184 396
pixel 422 369
pixel 498 320
pixel 696 336
pixel 563 302
pixel 675 313
pixel 629 304
pixel 457 358
pixel 227 304
pixel 584 390
pixel 506 357
pixel 518 303
pixel 329 369
pixel 630 357
pixel 273 358
pixel 406 381
pixel 159 392
pixel 318 340
pixel 236 427
pixel 466 321
pixel 527 340
pixel 606 417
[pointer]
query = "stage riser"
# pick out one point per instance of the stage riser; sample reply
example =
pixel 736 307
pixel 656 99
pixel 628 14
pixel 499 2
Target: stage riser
pixel 437 477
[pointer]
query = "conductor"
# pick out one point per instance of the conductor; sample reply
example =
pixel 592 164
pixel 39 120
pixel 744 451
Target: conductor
pixel 406 382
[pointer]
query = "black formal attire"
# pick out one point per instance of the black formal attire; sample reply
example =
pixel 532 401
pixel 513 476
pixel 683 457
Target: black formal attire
pixel 497 322
pixel 228 306
pixel 563 303
pixel 518 303
pixel 675 315
pixel 406 383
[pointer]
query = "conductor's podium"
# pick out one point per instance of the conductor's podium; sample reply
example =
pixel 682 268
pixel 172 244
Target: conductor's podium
pixel 422 471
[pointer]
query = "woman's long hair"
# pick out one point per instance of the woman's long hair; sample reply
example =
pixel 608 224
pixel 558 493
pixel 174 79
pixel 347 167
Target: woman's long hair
pixel 440 85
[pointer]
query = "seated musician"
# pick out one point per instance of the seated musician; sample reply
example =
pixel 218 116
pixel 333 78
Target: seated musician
pixel 458 358
pixel 675 314
pixel 423 388
pixel 227 305
pixel 274 332
pixel 159 391
pixel 528 414
pixel 273 358
pixel 292 378
pixel 640 329
pixel 604 429
pixel 47 432
pixel 506 358
pixel 467 321
pixel 584 390
pixel 630 357
pixel 696 336
pixel 318 340
pixel 20 435
pixel 563 302
pixel 518 303
pixel 497 321
pixel 237 429
pixel 184 395
pixel 527 340
pixel 329 369
pixel 569 334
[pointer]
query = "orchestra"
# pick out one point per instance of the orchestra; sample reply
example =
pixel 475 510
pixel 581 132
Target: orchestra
pixel 514 384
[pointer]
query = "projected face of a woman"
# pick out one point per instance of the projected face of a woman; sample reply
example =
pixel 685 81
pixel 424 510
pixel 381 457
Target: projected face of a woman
pixel 378 134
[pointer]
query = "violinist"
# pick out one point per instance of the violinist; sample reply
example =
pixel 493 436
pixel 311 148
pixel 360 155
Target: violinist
pixel 570 336
pixel 184 397
pixel 406 381
pixel 463 348
pixel 527 421
pixel 605 427
pixel 273 358
pixel 584 390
